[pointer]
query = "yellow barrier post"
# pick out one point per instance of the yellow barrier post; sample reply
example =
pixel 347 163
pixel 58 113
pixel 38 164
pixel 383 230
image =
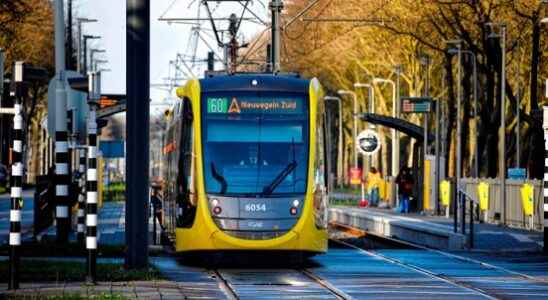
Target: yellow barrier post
pixel 528 202
pixel 483 195
pixel 445 194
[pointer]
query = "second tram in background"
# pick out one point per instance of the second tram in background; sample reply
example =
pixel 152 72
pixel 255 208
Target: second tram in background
pixel 245 165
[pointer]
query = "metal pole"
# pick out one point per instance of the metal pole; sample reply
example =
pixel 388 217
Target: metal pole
pixel 438 167
pixel 276 7
pixel 457 176
pixel 545 225
pixel 16 181
pixel 518 104
pixel 502 136
pixel 61 139
pixel 396 140
pixel 79 48
pixel 85 54
pixel 70 50
pixel 476 148
pixel 2 60
pixel 137 131
pixel 355 128
pixel 471 233
pixel 81 197
pixel 91 194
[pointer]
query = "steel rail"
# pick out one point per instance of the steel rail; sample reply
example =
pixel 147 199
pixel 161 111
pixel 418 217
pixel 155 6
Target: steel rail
pixel 225 286
pixel 325 284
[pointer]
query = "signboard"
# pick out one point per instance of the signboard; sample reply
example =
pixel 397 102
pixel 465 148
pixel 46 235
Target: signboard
pixel 355 176
pixel 76 101
pixel 483 195
pixel 256 105
pixel 368 142
pixel 416 105
pixel 517 173
pixel 112 149
pixel 527 199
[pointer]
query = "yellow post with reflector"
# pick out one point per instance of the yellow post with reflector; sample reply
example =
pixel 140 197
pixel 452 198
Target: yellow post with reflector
pixel 483 196
pixel 445 194
pixel 528 202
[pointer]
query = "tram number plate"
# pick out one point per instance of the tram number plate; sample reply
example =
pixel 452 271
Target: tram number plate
pixel 255 207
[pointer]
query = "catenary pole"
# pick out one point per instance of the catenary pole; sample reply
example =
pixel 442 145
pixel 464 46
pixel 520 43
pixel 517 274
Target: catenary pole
pixel 91 177
pixel 61 140
pixel 137 131
pixel 16 180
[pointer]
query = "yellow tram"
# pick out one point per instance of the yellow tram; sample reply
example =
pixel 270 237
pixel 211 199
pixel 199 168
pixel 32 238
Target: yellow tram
pixel 245 165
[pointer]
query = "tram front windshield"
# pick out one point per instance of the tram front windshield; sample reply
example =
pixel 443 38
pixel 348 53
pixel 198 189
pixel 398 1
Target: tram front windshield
pixel 255 146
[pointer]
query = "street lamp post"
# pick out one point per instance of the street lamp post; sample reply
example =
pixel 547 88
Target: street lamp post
pixel 371 109
pixel 458 44
pixel 475 71
pixel 339 142
pixel 85 52
pixel 395 152
pixel 92 55
pixel 502 130
pixel 79 21
pixel 355 124
pixel 97 62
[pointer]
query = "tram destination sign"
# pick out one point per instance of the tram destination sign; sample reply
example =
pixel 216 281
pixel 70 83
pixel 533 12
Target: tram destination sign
pixel 416 105
pixel 255 105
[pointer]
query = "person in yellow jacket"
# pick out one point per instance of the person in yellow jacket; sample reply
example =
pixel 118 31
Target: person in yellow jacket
pixel 373 186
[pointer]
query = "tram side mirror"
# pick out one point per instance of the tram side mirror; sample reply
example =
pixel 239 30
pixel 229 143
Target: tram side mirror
pixel 181 92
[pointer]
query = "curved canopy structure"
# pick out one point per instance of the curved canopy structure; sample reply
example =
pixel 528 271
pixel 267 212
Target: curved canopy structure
pixel 401 125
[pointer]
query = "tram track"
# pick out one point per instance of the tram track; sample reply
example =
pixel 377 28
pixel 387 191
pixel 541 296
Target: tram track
pixel 315 282
pixel 360 233
pixel 420 270
pixel 483 278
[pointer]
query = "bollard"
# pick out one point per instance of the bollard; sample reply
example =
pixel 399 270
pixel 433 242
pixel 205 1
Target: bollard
pixel 91 186
pixel 81 196
pixel 471 233
pixel 16 181
pixel 463 213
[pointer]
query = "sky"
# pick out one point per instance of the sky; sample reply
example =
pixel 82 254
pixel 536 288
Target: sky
pixel 166 39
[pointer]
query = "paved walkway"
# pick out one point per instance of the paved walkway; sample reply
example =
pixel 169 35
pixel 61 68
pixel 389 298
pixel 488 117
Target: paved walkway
pixel 129 290
pixel 488 237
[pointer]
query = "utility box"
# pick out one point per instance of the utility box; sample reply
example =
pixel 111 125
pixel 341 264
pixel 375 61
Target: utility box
pixel 76 101
pixel 429 199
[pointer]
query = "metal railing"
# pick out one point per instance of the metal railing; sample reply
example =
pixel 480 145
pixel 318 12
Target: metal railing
pixel 463 197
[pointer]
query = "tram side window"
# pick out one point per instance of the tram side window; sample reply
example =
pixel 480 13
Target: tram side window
pixel 185 174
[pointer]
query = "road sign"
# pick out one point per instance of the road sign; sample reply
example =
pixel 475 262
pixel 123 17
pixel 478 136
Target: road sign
pixel 112 149
pixel 368 142
pixel 416 105
pixel 517 173
pixel 355 176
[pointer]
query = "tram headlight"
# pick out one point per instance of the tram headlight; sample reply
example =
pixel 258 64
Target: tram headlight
pixel 296 203
pixel 217 210
pixel 214 202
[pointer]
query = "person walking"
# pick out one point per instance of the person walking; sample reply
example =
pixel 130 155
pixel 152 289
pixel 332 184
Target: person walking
pixel 157 204
pixel 373 186
pixel 405 181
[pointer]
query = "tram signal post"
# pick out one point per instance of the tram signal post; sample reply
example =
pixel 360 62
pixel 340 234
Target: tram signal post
pixel 137 134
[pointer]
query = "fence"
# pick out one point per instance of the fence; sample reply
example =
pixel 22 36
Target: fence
pixel 515 216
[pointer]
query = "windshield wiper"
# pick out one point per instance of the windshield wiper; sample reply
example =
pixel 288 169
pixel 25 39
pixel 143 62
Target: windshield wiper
pixel 219 178
pixel 267 190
